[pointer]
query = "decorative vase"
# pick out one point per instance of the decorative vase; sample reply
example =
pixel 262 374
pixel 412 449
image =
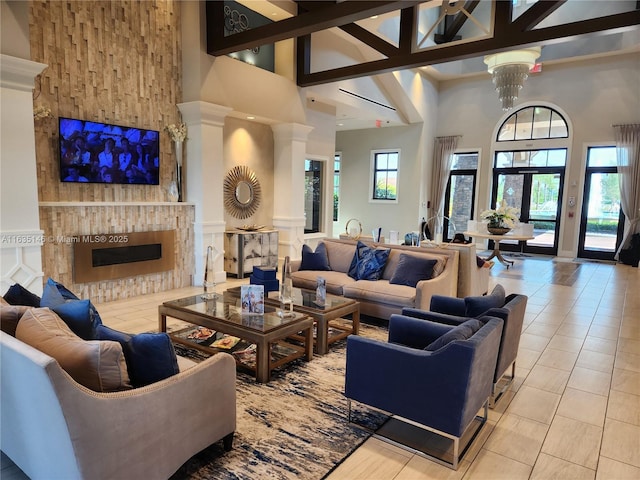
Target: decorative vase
pixel 498 230
pixel 178 146
pixel 173 192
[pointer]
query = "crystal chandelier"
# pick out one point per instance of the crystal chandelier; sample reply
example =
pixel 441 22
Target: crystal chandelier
pixel 509 70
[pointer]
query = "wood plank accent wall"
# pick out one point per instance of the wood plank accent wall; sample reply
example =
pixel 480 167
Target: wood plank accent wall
pixel 117 62
pixel 62 223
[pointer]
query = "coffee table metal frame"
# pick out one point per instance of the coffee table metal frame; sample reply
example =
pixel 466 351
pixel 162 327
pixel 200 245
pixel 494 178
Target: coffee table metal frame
pixel 262 339
pixel 323 316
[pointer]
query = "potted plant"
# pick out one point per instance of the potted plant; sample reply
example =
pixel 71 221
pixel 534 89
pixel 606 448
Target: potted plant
pixel 502 219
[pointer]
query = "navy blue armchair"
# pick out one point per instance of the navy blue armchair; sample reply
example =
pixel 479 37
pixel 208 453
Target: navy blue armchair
pixel 510 308
pixel 441 389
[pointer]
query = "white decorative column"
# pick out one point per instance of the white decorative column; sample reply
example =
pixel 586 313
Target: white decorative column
pixel 289 145
pixel 20 234
pixel 203 171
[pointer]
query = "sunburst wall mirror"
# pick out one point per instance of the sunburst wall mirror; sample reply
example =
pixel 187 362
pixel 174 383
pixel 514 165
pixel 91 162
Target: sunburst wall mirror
pixel 241 192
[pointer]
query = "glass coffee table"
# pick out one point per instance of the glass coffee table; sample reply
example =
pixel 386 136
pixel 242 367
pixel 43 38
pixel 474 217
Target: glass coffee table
pixel 331 325
pixel 258 342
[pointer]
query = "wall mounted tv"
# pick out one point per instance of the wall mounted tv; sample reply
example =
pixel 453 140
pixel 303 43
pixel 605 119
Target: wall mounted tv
pixel 97 152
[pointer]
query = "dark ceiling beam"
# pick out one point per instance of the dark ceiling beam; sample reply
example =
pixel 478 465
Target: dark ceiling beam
pixel 370 39
pixel 332 15
pixel 555 34
pixel 536 14
pixel 452 27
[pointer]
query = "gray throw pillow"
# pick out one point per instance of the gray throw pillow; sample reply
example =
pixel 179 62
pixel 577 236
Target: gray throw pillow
pixel 476 306
pixel 463 331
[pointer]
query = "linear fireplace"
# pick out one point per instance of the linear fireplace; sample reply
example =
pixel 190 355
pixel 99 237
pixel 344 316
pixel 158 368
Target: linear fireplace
pixel 119 255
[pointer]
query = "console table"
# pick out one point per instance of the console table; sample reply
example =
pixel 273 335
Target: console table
pixel 496 243
pixel 244 250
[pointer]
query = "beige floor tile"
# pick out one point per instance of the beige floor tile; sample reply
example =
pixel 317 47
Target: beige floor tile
pixel 527 358
pixel 609 469
pixel 605 321
pixel 542 330
pixel 558 359
pixel 601 331
pixel 534 404
pixel 567 344
pixel 420 468
pixel 577 318
pixel 590 381
pixel 533 342
pixel 546 378
pixel 602 345
pixel 624 407
pixel 621 441
pixel 573 330
pixel 573 441
pixel 628 345
pixel 517 438
pixel 549 319
pixel 372 460
pixel 626 381
pixel 490 465
pixel 553 468
pixel 627 361
pixel 630 331
pixel 595 361
pixel 583 406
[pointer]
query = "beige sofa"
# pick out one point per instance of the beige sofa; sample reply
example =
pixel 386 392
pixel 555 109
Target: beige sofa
pixel 380 298
pixel 53 427
pixel 472 280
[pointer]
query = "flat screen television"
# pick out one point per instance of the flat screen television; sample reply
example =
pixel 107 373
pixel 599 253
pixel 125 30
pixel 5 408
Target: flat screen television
pixel 97 152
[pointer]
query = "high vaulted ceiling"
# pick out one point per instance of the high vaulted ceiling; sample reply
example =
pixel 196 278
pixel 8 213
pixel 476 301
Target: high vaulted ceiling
pixel 444 39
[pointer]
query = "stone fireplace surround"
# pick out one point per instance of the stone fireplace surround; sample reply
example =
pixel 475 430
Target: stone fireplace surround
pixel 64 222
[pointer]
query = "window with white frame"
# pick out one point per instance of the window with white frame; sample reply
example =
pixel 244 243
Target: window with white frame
pixel 384 175
pixel 460 193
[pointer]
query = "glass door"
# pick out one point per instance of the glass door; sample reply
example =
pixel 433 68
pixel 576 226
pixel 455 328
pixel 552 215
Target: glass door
pixel 602 220
pixel 537 193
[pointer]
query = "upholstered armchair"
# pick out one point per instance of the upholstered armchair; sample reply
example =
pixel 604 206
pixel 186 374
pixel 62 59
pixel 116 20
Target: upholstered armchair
pixel 434 375
pixel 510 308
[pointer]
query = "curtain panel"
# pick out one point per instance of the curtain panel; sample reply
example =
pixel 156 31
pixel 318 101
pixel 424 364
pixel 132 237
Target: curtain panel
pixel 443 151
pixel 628 158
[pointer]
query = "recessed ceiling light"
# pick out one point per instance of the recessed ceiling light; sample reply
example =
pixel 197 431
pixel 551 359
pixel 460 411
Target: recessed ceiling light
pixel 251 117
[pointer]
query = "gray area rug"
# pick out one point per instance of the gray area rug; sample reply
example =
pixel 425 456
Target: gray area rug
pixel 294 427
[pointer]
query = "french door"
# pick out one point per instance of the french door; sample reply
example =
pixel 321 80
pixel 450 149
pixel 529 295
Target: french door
pixel 537 192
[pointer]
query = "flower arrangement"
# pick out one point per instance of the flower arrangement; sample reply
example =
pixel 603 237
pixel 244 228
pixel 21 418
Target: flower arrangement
pixel 40 112
pixel 177 132
pixel 502 216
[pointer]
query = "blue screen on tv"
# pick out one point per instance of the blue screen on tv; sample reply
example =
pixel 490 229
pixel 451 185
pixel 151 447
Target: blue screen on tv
pixel 97 152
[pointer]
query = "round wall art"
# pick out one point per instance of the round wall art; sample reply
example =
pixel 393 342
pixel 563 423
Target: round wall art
pixel 241 192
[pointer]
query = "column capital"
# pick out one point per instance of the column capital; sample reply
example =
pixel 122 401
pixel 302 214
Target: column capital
pixel 291 131
pixel 19 73
pixel 199 112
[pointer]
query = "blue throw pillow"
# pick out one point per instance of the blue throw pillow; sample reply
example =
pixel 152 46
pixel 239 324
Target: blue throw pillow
pixel 368 263
pixel 411 269
pixel 463 331
pixel 476 306
pixel 55 295
pixel 317 260
pixel 150 357
pixel 18 295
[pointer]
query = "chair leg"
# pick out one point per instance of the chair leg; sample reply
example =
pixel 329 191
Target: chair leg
pixel 495 397
pixel 227 442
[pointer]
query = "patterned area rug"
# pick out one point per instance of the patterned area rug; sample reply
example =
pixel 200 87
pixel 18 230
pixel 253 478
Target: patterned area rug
pixel 294 427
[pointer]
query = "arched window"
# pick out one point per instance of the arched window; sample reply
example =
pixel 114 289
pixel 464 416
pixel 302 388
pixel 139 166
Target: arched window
pixel 533 123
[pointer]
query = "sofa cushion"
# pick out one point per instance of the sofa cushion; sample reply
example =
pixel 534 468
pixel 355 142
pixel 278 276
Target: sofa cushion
pixel 463 331
pixel 81 316
pixel 317 260
pixel 368 263
pixel 381 292
pixel 340 255
pixel 150 357
pixel 335 281
pixel 411 269
pixel 394 259
pixel 97 365
pixel 476 306
pixel 10 315
pixel 18 295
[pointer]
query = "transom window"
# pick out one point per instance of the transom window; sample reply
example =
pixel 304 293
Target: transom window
pixel 385 174
pixel 533 123
pixel 532 158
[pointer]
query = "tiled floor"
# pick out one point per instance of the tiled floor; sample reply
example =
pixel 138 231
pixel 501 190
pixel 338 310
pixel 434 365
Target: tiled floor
pixel 574 408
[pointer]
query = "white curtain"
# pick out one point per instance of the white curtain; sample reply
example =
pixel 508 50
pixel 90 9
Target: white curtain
pixel 442 161
pixel 628 156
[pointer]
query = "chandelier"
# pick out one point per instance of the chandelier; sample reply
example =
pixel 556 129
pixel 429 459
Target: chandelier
pixel 509 70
